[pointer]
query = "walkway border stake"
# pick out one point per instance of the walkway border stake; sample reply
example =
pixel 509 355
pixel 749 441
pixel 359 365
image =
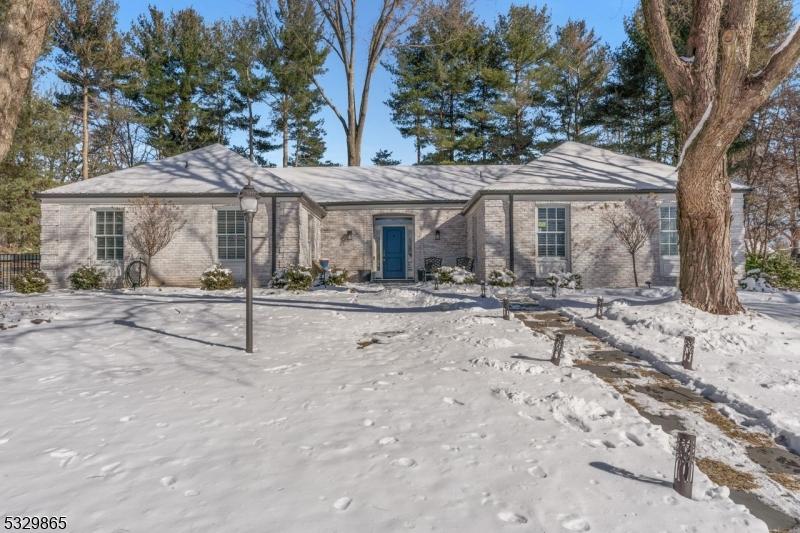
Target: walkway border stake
pixel 506 310
pixel 483 289
pixel 684 464
pixel 558 348
pixel 688 352
pixel 599 312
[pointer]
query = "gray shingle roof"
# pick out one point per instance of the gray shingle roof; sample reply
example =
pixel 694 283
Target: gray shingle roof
pixel 576 167
pixel 216 170
pixel 422 183
pixel 213 169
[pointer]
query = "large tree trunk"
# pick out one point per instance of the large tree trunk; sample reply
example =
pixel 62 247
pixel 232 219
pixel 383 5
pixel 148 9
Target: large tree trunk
pixel 23 27
pixel 714 95
pixel 707 277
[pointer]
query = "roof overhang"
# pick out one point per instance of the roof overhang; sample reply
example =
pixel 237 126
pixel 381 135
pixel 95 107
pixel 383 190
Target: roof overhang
pixel 303 197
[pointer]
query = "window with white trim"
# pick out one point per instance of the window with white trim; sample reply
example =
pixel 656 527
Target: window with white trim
pixel 109 235
pixel 668 236
pixel 551 234
pixel 230 234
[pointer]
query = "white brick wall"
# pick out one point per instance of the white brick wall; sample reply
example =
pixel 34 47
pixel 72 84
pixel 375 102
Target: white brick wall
pixel 357 253
pixel 68 240
pixel 593 250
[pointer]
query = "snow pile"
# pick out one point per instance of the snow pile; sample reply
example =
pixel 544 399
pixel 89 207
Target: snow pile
pixel 501 278
pixel 457 275
pixel 750 361
pixel 564 280
pixel 754 281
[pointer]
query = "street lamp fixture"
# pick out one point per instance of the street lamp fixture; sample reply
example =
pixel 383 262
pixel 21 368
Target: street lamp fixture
pixel 248 202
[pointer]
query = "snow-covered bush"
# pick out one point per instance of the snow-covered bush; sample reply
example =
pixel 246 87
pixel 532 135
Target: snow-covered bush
pixel 293 278
pixel 336 277
pixel 87 278
pixel 565 280
pixel 755 281
pixel 779 269
pixel 456 275
pixel 216 278
pixel 30 281
pixel 501 278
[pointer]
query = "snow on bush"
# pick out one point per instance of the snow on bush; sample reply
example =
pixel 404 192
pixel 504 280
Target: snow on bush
pixel 336 277
pixel 501 278
pixel 216 278
pixel 87 278
pixel 31 281
pixel 565 280
pixel 293 278
pixel 755 281
pixel 456 275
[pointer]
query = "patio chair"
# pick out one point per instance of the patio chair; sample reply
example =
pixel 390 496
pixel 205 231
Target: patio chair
pixel 465 262
pixel 432 264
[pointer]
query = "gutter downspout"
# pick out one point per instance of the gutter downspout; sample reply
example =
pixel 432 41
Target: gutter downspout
pixel 274 237
pixel 511 232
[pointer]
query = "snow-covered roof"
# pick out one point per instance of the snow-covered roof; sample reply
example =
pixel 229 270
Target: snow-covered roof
pixel 215 170
pixel 212 170
pixel 424 183
pixel 576 167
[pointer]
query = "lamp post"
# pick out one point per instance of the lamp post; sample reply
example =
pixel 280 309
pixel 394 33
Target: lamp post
pixel 248 202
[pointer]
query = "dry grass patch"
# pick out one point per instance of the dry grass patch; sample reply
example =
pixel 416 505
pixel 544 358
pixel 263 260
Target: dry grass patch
pixel 787 480
pixel 731 429
pixel 722 474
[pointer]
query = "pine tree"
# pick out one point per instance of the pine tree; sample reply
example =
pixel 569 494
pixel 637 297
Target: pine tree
pixel 89 49
pixel 42 155
pixel 151 85
pixel 250 82
pixel 577 69
pixel 292 55
pixel 383 158
pixel 521 82
pixel 637 108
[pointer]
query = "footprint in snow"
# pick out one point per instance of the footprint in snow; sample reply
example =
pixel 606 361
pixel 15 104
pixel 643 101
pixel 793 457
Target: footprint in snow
pixel 574 523
pixel 511 518
pixel 368 423
pixel 405 461
pixel 387 440
pixel 537 472
pixel 168 481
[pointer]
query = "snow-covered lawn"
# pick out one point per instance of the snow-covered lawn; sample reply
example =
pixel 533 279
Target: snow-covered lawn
pixel 749 361
pixel 373 410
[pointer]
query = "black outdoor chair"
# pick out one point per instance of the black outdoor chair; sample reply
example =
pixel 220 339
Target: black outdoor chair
pixel 432 264
pixel 465 262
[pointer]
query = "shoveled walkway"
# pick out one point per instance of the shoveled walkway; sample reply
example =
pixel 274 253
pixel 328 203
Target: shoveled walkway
pixel 762 475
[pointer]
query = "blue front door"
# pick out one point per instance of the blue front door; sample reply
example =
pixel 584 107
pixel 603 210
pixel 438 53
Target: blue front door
pixel 394 252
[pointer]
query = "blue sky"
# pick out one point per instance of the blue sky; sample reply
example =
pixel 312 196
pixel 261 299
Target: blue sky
pixel 606 17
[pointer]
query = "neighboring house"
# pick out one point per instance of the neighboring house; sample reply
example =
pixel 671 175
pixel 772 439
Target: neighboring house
pixel 379 223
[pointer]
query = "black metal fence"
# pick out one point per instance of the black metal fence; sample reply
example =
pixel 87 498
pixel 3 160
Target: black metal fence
pixel 12 265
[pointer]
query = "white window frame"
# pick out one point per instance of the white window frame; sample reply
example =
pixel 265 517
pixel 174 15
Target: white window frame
pixel 217 235
pixel 661 231
pixel 565 232
pixel 96 236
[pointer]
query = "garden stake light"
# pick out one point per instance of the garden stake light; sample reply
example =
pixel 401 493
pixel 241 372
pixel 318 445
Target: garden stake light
pixel 684 464
pixel 599 312
pixel 483 289
pixel 688 352
pixel 506 312
pixel 558 348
